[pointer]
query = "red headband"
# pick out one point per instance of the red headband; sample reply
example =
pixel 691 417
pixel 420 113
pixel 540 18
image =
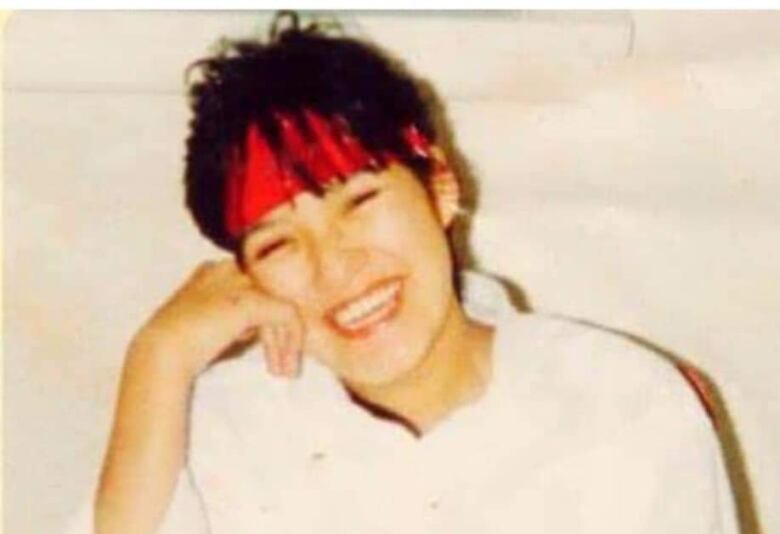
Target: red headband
pixel 262 180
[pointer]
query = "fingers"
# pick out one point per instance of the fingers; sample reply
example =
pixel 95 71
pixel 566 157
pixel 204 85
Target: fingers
pixel 270 350
pixel 281 330
pixel 287 362
pixel 296 333
pixel 281 350
pixel 277 322
pixel 290 352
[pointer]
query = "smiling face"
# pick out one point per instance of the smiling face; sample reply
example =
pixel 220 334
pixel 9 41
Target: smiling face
pixel 368 266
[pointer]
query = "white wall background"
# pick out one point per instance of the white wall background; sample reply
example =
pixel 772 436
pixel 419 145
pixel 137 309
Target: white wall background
pixel 629 168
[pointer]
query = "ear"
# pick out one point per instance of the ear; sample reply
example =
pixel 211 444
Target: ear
pixel 443 187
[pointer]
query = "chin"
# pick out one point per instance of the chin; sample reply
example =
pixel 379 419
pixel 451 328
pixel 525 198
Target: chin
pixel 395 344
pixel 389 369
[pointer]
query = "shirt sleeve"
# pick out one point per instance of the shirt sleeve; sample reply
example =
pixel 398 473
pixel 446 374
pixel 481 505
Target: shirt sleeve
pixel 655 468
pixel 185 515
pixel 690 491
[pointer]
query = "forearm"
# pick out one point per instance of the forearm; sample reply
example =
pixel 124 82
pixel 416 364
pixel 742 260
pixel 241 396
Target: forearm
pixel 147 444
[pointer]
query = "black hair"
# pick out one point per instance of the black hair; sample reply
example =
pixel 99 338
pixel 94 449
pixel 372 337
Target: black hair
pixel 297 68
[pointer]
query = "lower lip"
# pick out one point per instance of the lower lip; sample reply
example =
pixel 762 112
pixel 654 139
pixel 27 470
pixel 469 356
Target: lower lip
pixel 379 318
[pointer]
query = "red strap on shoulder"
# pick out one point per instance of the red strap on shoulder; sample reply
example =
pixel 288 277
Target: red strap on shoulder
pixel 699 384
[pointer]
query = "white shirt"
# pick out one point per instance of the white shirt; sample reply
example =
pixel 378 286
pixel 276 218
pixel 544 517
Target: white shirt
pixel 579 431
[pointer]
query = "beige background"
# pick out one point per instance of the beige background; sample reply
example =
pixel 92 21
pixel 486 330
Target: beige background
pixel 629 168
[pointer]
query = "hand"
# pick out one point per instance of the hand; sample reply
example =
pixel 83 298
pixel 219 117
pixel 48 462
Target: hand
pixel 217 308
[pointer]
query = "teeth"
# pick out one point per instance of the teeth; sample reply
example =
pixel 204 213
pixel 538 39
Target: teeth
pixel 359 309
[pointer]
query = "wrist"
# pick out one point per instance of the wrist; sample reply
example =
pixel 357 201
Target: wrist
pixel 161 358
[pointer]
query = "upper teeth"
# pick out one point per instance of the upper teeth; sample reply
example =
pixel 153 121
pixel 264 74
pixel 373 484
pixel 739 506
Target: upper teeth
pixel 363 306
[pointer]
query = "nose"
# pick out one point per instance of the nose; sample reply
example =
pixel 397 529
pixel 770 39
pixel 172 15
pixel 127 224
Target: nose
pixel 336 250
pixel 337 265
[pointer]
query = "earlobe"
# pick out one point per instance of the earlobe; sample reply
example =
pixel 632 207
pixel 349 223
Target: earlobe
pixel 444 187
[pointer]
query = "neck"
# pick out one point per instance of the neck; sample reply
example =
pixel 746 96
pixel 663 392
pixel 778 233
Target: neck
pixel 454 371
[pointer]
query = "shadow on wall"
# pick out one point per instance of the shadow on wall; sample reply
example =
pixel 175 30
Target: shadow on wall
pixel 715 405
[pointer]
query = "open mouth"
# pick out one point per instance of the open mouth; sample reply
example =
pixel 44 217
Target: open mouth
pixel 360 316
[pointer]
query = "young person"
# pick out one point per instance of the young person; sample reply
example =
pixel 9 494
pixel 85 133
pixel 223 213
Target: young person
pixel 416 399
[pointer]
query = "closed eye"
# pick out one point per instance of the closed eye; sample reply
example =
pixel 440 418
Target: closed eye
pixel 362 198
pixel 270 248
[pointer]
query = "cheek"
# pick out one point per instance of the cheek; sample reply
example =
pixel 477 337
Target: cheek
pixel 407 228
pixel 283 279
pixel 418 240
